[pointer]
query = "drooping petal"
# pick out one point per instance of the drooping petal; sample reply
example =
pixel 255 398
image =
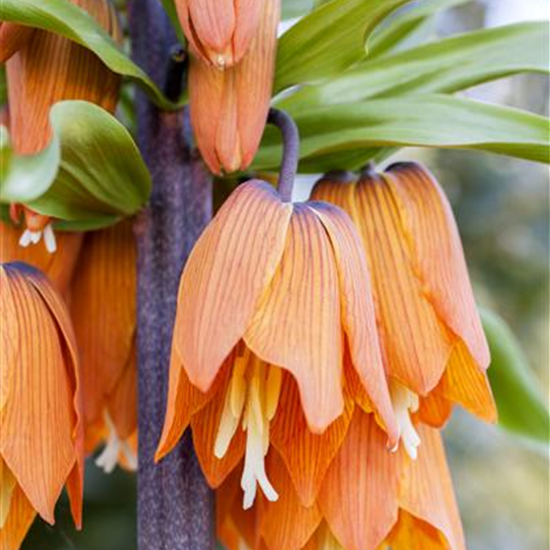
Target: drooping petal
pixel 286 523
pixel 12 38
pixel 435 410
pixel 307 456
pixel 103 309
pixel 59 267
pixel 437 253
pixel 230 267
pixel 39 417
pixel 359 495
pixel 297 322
pixel 358 314
pixel 415 344
pixel 411 533
pixel 426 490
pixel 323 539
pixel 18 522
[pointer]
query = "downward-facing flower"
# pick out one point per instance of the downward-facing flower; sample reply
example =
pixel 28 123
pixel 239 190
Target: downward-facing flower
pixel 41 438
pixel 431 335
pixel 229 108
pixel 371 499
pixel 220 31
pixel 43 68
pixel 273 286
pixel 103 309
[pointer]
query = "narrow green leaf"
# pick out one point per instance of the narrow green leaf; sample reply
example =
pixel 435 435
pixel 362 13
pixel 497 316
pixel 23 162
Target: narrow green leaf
pixel 296 8
pixel 446 66
pixel 67 19
pixel 328 40
pixel 520 404
pixel 91 174
pixel 426 121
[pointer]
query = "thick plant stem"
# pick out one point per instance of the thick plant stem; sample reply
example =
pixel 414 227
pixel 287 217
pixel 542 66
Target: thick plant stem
pixel 175 506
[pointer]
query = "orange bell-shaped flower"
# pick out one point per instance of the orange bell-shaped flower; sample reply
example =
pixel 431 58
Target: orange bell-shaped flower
pixel 41 437
pixel 229 108
pixel 103 309
pixel 220 31
pixel 433 343
pixel 273 286
pixel 43 68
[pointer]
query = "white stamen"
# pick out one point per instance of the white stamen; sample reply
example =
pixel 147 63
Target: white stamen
pixel 130 455
pixel 110 455
pixel 26 238
pixel 405 402
pixel 49 239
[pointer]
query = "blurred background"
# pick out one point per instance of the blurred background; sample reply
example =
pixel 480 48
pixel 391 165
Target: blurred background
pixel 502 208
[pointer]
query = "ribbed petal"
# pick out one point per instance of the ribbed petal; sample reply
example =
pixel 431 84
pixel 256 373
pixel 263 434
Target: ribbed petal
pixel 426 490
pixel 307 456
pixel 38 418
pixel 434 409
pixel 358 314
pixel 286 523
pixel 359 495
pixel 413 534
pixel 12 38
pixel 415 344
pixel 18 523
pixel 464 383
pixel 437 254
pixel 73 73
pixel 323 539
pixel 297 322
pixel 205 424
pixel 230 267
pixel 103 309
pixel 59 267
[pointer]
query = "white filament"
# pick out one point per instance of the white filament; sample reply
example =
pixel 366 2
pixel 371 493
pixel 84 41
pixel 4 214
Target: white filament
pixel 405 402
pixel 33 237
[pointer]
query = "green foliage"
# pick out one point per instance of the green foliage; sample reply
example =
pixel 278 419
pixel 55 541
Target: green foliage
pixel 170 9
pixel 520 404
pixel 90 175
pixel 347 135
pixel 64 18
pixel 328 40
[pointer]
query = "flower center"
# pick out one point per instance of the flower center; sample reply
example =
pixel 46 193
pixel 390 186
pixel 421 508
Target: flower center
pixel 405 402
pixel 33 237
pixel 7 486
pixel 251 401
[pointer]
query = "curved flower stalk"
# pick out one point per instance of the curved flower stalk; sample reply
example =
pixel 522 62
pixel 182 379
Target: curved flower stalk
pixel 273 286
pixel 43 68
pixel 41 435
pixel 58 267
pixel 433 343
pixel 103 309
pixel 370 500
pixel 229 108
pixel 220 32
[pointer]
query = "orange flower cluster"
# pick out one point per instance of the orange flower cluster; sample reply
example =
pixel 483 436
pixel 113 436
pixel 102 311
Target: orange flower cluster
pixel 232 48
pixel 318 349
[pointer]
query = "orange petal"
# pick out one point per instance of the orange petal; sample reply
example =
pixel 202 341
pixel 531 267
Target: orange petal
pixel 12 38
pixel 59 267
pixel 359 495
pixel 18 522
pixel 286 523
pixel 103 308
pixel 39 411
pixel 227 272
pixel 205 424
pixel 358 314
pixel 426 489
pixel 438 255
pixel 323 539
pixel 415 343
pixel 413 534
pixel 464 383
pixel 294 329
pixel 434 409
pixel 307 456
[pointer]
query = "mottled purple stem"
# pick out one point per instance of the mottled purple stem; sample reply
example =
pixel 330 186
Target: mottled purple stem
pixel 175 505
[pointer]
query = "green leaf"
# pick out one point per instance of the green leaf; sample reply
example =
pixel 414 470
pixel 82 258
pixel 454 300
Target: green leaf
pixel 520 404
pixel 328 40
pixel 64 18
pixel 445 66
pixel 408 27
pixel 296 8
pixel 426 121
pixel 90 175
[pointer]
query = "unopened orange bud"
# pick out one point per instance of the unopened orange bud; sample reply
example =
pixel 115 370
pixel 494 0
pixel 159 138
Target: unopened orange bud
pixel 229 108
pixel 220 31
